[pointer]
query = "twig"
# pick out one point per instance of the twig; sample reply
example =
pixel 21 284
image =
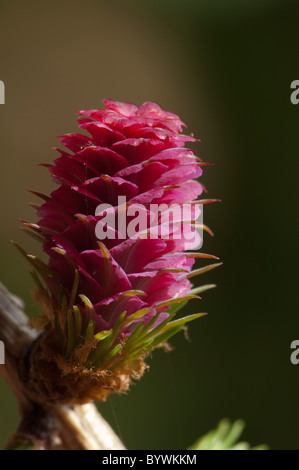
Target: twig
pixel 79 427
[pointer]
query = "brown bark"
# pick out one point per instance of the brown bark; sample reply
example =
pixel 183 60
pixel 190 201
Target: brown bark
pixel 79 427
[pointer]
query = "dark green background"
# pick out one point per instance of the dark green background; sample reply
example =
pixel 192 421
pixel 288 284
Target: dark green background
pixel 226 68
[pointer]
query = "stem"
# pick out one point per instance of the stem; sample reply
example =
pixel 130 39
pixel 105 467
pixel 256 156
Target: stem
pixel 44 427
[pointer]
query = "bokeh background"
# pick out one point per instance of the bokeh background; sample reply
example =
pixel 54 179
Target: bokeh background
pixel 226 68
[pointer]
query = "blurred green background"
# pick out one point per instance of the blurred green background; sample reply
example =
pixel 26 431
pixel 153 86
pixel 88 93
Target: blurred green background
pixel 226 68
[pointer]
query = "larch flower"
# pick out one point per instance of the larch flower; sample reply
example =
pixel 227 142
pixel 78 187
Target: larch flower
pixel 108 303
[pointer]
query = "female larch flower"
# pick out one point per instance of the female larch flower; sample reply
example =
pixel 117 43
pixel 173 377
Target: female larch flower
pixel 107 303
